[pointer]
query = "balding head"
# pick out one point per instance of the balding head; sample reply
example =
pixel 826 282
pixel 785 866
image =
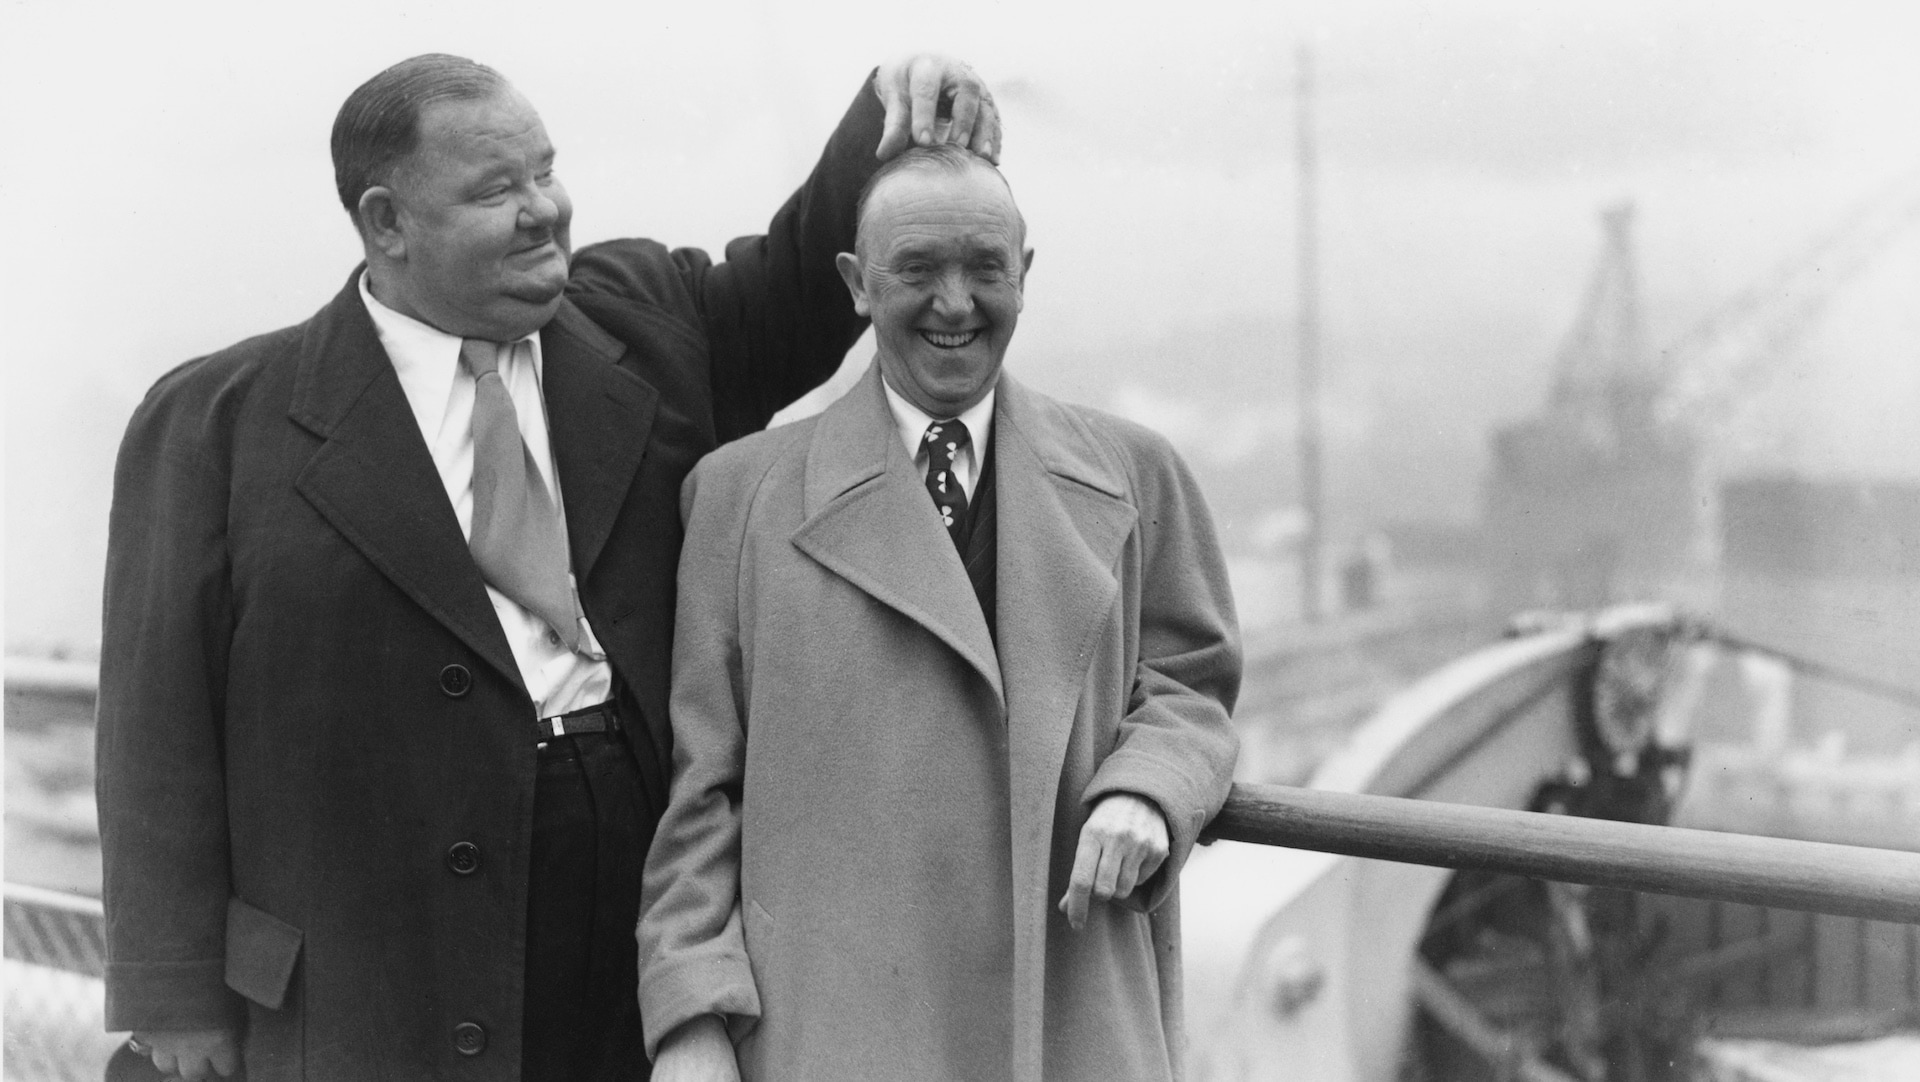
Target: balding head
pixel 940 158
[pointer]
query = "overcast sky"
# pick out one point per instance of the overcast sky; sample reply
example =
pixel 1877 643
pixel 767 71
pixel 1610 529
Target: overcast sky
pixel 166 166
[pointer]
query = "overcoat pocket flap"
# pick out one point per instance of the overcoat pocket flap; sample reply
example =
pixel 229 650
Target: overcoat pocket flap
pixel 261 951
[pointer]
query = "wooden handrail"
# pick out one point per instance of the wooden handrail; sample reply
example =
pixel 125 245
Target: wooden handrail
pixel 1846 880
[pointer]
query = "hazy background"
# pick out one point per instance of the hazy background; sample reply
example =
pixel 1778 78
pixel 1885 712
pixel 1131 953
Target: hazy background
pixel 166 171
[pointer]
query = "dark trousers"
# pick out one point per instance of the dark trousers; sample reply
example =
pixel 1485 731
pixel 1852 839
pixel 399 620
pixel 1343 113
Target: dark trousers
pixel 591 828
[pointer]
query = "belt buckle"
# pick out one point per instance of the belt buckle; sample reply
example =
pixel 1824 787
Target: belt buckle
pixel 552 728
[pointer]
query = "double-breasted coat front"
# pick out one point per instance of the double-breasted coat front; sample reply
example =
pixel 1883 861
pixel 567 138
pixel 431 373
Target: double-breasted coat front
pixel 876 804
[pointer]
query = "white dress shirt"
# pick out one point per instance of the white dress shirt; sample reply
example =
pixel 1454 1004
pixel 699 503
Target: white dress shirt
pixel 440 390
pixel 913 421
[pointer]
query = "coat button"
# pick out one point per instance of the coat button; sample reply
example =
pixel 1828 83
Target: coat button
pixel 463 858
pixel 455 681
pixel 469 1038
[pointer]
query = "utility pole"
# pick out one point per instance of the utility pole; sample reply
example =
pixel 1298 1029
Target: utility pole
pixel 1312 541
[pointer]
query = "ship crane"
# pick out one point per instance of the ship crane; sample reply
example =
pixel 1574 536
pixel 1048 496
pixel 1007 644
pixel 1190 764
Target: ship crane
pixel 1725 355
pixel 1605 492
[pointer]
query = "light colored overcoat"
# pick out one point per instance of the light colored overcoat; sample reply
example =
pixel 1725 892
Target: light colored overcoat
pixel 875 810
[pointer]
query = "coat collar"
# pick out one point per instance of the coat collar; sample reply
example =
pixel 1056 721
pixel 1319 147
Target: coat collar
pixel 374 479
pixel 870 521
pixel 1063 517
pixel 599 415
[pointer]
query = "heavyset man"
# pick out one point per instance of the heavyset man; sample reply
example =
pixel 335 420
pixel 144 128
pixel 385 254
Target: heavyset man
pixel 952 672
pixel 389 601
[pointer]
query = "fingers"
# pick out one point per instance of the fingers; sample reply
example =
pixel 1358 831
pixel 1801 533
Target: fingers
pixel 890 84
pixel 1113 858
pixel 1125 863
pixel 1086 863
pixel 1128 877
pixel 225 1060
pixel 190 1066
pixel 1122 845
pixel 193 1055
pixel 912 91
pixel 976 120
pixel 924 79
pixel 965 112
pixel 1150 862
pixel 986 130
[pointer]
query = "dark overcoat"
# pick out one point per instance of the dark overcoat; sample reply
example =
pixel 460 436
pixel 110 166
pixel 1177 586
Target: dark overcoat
pixel 316 756
pixel 876 804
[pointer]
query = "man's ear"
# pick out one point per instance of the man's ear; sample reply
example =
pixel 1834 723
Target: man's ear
pixel 1026 264
pixel 380 222
pixel 850 272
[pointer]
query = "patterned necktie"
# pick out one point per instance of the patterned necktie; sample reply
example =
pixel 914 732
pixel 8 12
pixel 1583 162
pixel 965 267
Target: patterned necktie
pixel 945 441
pixel 518 539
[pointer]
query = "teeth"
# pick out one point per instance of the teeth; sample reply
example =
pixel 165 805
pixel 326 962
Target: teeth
pixel 949 341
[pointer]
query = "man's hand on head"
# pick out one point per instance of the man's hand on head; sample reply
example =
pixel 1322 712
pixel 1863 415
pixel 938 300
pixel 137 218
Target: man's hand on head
pixel 698 1050
pixel 1122 844
pixel 913 89
pixel 192 1054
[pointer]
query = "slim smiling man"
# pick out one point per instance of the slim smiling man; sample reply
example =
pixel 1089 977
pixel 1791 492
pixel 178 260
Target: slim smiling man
pixel 383 706
pixel 952 673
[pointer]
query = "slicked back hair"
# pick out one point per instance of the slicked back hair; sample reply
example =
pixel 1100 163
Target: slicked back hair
pixel 379 123
pixel 939 158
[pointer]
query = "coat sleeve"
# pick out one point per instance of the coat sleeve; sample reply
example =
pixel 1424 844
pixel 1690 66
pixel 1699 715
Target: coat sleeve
pixel 778 317
pixel 1176 744
pixel 693 951
pixel 160 783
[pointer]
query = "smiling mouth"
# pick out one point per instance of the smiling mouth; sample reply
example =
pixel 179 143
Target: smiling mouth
pixel 955 340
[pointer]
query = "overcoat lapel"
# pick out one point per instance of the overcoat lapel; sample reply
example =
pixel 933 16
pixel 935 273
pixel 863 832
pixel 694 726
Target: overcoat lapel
pixel 598 418
pixel 374 479
pixel 870 521
pixel 1064 519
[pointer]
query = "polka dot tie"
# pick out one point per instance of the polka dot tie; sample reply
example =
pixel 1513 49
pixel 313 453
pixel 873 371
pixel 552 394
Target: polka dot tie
pixel 946 441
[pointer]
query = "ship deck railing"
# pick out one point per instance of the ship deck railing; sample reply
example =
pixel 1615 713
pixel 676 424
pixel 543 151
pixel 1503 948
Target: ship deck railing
pixel 55 942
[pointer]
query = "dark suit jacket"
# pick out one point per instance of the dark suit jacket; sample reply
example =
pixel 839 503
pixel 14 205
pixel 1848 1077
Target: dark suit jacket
pixel 306 700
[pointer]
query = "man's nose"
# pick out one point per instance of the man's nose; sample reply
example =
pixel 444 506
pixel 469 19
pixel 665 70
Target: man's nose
pixel 951 297
pixel 539 211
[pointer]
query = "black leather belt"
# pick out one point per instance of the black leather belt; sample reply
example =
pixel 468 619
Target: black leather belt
pixel 600 718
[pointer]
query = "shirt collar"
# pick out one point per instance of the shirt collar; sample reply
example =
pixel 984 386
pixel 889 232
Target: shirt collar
pixel 426 358
pixel 912 421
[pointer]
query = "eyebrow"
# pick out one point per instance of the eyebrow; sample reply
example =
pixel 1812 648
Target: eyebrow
pixel 505 168
pixel 970 246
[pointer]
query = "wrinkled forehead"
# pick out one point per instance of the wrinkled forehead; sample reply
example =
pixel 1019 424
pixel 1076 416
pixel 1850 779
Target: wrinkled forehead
pixel 973 206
